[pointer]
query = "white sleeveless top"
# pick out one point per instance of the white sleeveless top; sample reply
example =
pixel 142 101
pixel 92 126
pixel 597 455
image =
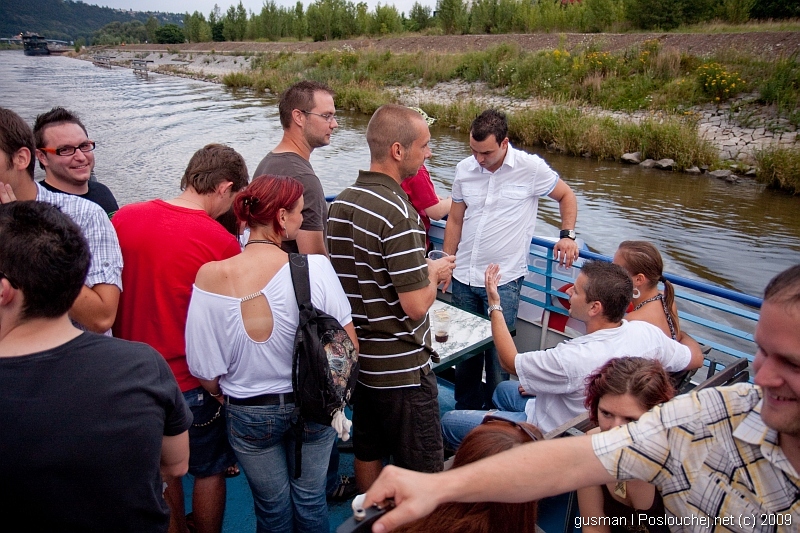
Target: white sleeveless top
pixel 218 345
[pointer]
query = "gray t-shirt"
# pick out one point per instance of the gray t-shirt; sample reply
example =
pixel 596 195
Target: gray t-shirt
pixel 315 209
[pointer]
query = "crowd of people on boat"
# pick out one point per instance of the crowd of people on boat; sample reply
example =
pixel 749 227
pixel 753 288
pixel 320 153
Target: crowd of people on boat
pixel 144 342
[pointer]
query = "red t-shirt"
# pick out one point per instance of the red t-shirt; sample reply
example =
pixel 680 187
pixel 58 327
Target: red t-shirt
pixel 421 193
pixel 163 247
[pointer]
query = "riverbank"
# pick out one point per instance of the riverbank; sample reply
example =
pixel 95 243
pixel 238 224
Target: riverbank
pixel 738 129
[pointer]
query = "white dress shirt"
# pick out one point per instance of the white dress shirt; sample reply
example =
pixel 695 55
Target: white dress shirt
pixel 558 376
pixel 500 215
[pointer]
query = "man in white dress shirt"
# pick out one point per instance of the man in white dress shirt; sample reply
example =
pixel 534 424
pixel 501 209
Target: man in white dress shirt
pixel 495 197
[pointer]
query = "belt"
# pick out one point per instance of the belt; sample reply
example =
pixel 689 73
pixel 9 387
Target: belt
pixel 264 399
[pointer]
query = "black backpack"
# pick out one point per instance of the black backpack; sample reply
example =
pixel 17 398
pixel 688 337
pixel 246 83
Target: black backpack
pixel 324 362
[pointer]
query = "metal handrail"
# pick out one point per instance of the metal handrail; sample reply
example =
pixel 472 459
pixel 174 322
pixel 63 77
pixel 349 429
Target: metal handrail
pixel 728 311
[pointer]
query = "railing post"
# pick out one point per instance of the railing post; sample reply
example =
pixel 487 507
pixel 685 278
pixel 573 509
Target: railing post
pixel 548 300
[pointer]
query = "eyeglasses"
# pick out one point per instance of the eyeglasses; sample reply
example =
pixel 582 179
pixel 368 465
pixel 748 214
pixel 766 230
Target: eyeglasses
pixel 489 419
pixel 11 281
pixel 327 116
pixel 87 146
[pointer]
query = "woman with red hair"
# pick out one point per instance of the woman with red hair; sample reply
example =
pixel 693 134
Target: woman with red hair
pixel 239 342
pixel 493 436
pixel 619 392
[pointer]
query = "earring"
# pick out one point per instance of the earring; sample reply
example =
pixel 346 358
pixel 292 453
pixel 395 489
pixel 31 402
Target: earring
pixel 286 232
pixel 636 293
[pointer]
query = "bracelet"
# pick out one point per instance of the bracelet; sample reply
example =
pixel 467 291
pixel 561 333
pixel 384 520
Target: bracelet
pixel 217 395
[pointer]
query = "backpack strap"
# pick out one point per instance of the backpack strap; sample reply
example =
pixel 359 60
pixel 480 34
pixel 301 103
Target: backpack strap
pixel 298 266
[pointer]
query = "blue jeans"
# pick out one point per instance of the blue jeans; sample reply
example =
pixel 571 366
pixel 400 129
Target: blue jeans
pixel 470 392
pixel 511 405
pixel 263 440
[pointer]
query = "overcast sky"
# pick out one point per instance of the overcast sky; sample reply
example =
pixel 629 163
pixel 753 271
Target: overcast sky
pixel 205 6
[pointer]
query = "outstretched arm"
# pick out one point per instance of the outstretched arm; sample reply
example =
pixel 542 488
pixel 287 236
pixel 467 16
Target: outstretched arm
pixel 524 473
pixel 503 342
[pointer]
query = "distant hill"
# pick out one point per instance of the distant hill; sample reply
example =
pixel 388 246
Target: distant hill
pixel 67 20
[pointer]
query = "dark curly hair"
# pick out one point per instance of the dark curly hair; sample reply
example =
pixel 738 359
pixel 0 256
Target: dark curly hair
pixel 644 379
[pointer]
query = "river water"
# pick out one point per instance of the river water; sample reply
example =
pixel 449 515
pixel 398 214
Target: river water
pixel 146 129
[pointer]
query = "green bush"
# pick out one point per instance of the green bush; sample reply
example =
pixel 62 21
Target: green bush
pixel 779 168
pixel 782 87
pixel 717 82
pixel 237 80
pixel 169 34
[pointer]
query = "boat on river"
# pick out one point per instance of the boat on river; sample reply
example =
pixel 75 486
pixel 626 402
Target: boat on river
pixel 34 44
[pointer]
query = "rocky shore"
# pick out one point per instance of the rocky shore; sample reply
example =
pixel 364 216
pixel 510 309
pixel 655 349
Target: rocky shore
pixel 735 133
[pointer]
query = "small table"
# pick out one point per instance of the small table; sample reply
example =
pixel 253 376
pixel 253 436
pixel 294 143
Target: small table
pixel 470 334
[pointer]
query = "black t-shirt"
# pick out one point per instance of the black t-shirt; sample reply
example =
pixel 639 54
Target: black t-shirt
pixel 81 428
pixel 98 193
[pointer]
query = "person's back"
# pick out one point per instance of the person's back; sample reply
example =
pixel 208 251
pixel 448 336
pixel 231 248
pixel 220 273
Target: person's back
pixel 92 423
pixel 164 244
pixel 163 247
pixel 81 438
pixel 358 253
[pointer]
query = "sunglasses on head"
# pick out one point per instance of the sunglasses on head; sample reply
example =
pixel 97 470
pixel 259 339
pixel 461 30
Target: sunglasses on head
pixel 492 419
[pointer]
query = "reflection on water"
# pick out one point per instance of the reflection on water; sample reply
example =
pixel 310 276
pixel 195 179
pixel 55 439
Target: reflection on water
pixel 147 129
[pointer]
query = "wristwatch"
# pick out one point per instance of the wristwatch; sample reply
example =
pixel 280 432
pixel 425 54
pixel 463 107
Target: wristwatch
pixel 494 307
pixel 567 234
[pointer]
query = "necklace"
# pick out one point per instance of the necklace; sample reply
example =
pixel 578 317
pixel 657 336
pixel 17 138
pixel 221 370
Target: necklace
pixel 653 299
pixel 621 489
pixel 261 241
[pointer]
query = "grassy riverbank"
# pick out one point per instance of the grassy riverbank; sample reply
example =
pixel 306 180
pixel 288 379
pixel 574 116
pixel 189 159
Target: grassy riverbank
pixel 646 76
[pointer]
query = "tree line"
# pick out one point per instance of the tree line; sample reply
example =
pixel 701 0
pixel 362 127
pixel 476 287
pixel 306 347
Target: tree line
pixel 68 20
pixel 342 19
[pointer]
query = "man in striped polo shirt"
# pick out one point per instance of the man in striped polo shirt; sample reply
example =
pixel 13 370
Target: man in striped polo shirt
pixel 377 246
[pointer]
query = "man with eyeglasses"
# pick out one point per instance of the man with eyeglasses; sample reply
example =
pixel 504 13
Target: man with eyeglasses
pixel 96 307
pixel 66 154
pixel 308 117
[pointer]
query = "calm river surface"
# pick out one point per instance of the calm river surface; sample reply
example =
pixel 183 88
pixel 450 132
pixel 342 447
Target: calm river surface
pixel 737 236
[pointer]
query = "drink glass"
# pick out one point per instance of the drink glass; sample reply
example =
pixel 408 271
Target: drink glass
pixel 441 325
pixel 433 255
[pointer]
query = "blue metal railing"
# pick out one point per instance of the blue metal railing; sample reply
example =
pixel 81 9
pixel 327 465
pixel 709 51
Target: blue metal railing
pixel 715 316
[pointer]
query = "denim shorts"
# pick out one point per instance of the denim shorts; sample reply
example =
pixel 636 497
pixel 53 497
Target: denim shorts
pixel 209 451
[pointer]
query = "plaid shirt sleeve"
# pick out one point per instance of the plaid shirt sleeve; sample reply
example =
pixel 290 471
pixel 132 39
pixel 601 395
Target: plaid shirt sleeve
pixel 106 265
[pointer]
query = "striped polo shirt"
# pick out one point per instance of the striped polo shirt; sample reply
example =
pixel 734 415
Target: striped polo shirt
pixel 377 247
